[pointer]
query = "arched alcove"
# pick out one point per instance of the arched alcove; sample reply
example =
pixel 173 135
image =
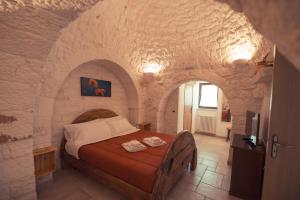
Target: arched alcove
pixel 161 125
pixel 69 103
pixel 241 94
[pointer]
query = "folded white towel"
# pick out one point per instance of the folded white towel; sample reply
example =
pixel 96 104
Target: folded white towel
pixel 133 146
pixel 154 141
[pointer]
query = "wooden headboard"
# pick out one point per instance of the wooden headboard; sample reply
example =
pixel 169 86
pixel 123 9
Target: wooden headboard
pixel 94 114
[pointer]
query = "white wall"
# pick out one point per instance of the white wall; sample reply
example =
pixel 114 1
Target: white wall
pixel 180 108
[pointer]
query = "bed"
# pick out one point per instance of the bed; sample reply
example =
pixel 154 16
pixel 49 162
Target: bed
pixel 149 174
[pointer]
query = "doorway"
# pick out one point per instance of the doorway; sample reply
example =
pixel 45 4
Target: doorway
pixel 188 107
pixel 203 109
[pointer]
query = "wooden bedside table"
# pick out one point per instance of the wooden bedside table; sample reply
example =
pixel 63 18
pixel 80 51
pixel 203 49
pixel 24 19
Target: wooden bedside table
pixel 44 161
pixel 146 126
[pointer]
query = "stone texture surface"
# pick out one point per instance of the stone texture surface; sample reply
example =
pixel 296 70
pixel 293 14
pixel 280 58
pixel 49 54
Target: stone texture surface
pixel 43 41
pixel 277 20
pixel 28 30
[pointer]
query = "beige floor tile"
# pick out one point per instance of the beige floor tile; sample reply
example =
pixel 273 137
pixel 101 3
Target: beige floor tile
pixel 191 179
pixel 212 169
pixel 225 170
pixel 209 163
pixel 214 193
pixel 200 170
pixel 213 179
pixel 183 194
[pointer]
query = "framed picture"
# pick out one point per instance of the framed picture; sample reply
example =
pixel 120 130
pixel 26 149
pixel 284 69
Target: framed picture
pixel 94 87
pixel 226 114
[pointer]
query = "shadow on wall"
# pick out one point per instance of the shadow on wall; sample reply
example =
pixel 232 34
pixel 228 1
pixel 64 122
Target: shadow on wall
pixel 69 103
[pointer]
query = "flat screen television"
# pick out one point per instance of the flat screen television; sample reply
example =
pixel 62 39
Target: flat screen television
pixel 252 127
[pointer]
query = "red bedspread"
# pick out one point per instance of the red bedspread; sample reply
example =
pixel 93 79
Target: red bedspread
pixel 138 169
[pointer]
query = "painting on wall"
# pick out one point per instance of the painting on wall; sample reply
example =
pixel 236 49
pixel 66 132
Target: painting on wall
pixel 94 87
pixel 226 114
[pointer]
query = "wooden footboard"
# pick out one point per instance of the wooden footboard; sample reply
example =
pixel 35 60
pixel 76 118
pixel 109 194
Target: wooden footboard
pixel 181 156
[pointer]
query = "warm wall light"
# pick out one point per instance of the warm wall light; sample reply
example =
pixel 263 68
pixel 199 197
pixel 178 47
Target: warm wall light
pixel 241 52
pixel 152 68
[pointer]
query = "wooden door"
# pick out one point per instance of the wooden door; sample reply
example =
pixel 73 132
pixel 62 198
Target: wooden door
pixel 188 107
pixel 282 173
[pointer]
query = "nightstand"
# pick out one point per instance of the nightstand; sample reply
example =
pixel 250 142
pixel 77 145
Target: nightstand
pixel 146 126
pixel 44 161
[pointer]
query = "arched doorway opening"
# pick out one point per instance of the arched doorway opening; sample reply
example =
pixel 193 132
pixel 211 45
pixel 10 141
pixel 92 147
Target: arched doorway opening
pixel 208 120
pixel 172 108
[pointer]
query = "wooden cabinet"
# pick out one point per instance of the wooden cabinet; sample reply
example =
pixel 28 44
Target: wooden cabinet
pixel 145 126
pixel 44 161
pixel 247 169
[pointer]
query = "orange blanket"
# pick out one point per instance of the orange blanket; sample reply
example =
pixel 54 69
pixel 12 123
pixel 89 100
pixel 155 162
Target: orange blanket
pixel 139 169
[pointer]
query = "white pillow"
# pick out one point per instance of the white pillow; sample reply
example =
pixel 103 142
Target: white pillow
pixel 119 126
pixel 87 133
pixel 113 118
pixel 69 130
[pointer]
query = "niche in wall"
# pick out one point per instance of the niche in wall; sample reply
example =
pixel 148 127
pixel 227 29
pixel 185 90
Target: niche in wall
pixel 69 103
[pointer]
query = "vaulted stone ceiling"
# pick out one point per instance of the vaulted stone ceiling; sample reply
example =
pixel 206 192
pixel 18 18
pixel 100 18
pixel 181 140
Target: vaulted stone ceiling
pixel 30 27
pixel 181 34
pixel 188 34
pixel 161 30
pixel 277 20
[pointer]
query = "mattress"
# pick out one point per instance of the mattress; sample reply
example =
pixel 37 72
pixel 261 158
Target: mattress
pixel 139 169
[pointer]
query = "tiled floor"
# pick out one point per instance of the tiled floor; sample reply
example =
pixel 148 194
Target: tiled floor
pixel 210 180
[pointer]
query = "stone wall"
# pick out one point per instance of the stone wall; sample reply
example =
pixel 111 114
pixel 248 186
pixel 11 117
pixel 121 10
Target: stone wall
pixel 274 19
pixel 28 30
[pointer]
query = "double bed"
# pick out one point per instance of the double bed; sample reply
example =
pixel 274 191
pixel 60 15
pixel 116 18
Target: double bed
pixel 147 174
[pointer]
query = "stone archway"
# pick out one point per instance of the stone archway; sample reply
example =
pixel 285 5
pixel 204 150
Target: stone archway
pixel 169 91
pixel 239 90
pixel 68 103
pixel 161 114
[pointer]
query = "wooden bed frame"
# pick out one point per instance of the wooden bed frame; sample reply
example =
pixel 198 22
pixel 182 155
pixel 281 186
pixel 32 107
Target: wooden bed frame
pixel 181 155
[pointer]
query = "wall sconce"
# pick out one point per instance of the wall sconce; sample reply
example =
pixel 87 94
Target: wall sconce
pixel 152 68
pixel 241 52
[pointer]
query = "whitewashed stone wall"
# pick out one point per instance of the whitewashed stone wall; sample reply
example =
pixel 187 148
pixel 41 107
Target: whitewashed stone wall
pixel 27 33
pixel 69 103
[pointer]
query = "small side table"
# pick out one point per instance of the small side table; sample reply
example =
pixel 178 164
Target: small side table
pixel 228 127
pixel 44 161
pixel 146 126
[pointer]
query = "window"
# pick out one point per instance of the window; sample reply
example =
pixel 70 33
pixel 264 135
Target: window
pixel 208 96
